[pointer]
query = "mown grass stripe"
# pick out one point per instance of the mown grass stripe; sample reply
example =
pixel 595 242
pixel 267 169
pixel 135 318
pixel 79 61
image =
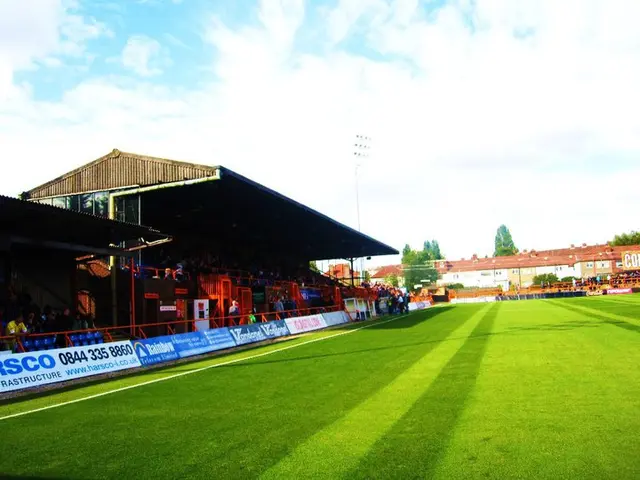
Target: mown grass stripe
pixel 549 406
pixel 337 449
pixel 419 442
pixel 621 321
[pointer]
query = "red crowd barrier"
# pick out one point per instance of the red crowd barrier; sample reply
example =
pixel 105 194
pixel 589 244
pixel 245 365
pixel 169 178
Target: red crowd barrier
pixel 169 328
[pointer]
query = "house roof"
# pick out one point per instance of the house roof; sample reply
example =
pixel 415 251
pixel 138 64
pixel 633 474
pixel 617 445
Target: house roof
pixel 387 270
pixel 529 259
pixel 340 270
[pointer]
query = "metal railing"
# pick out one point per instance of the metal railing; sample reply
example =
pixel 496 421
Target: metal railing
pixel 166 328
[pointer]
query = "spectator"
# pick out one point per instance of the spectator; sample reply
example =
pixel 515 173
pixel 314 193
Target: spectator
pixel 15 328
pixel 65 321
pixel 80 323
pixel 234 310
pixel 31 323
pixel 279 307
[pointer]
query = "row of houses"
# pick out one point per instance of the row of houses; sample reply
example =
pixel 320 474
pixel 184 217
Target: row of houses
pixel 581 262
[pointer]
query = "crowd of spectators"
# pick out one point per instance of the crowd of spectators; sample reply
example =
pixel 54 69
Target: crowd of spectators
pixel 617 279
pixel 20 316
pixel 595 281
pixel 389 299
pixel 190 266
pixel 626 278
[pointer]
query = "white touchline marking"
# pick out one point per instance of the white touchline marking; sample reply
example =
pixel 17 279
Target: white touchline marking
pixel 181 374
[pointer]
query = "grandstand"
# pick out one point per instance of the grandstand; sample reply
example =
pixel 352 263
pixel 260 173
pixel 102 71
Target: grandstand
pixel 41 246
pixel 235 252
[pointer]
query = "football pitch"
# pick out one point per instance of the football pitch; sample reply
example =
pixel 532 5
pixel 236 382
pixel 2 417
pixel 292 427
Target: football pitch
pixel 529 389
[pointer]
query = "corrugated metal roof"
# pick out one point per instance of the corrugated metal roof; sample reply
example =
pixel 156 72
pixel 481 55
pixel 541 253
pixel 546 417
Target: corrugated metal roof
pixel 120 170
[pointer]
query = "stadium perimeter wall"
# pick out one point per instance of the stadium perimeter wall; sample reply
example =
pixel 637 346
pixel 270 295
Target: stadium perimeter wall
pixel 538 296
pixel 22 371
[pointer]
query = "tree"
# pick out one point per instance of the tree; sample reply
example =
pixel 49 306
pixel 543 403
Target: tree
pixel 418 265
pixel 567 279
pixel 547 278
pixel 409 256
pixel 313 266
pixel 367 276
pixel 392 280
pixel 624 239
pixel 432 250
pixel 435 250
pixel 504 245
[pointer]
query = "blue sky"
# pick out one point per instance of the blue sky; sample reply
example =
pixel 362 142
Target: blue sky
pixel 180 27
pixel 480 110
pixel 173 24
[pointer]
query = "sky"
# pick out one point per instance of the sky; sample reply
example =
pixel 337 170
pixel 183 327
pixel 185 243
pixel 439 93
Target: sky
pixel 480 112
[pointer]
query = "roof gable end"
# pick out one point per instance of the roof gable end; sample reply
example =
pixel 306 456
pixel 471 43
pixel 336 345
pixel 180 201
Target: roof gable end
pixel 120 170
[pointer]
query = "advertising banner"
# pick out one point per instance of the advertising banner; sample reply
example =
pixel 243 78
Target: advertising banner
pixel 311 293
pixel 219 338
pixel 335 318
pixel 305 324
pixel 631 260
pixel 24 370
pixel 245 334
pixel 474 300
pixel 275 329
pixel 619 291
pixel 155 350
pixel 413 306
pixel 190 344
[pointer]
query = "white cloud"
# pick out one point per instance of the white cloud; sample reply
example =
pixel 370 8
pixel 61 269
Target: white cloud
pixel 144 56
pixel 41 30
pixel 491 112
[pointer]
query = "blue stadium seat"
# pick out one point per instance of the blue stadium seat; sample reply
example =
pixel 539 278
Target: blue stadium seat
pixel 38 344
pixel 28 345
pixel 49 342
pixel 99 338
pixel 82 339
pixel 74 339
pixel 91 338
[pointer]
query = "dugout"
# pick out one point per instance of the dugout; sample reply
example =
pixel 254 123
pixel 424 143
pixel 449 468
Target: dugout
pixel 44 251
pixel 203 208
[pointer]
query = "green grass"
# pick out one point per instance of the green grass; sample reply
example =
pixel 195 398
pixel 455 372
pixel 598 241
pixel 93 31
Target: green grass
pixel 530 389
